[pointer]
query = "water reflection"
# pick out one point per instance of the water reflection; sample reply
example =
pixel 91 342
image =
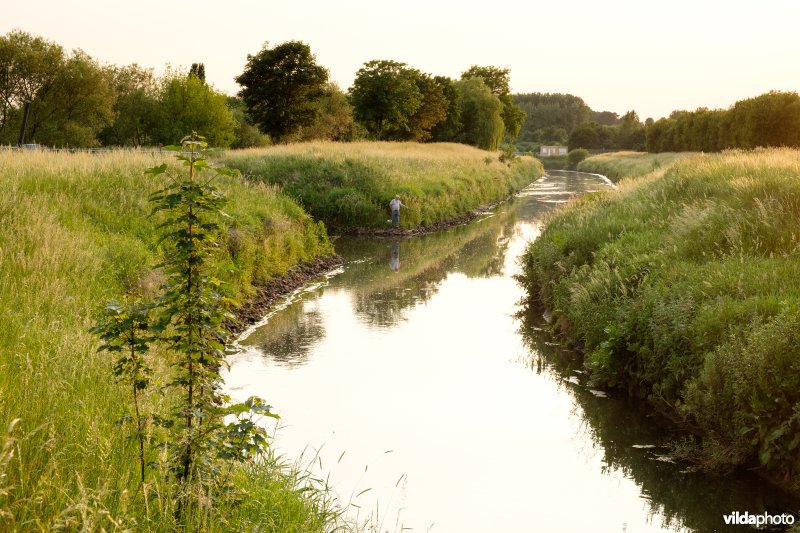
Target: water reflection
pixel 394 256
pixel 381 296
pixel 634 442
pixel 291 335
pixel 411 371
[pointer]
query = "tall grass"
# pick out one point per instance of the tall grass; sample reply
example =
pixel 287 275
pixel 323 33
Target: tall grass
pixel 618 165
pixel 682 288
pixel 75 231
pixel 350 185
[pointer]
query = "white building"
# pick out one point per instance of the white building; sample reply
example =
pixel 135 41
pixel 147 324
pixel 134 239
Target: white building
pixel 552 150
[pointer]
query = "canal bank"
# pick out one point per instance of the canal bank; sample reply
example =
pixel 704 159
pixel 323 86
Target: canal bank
pixel 411 384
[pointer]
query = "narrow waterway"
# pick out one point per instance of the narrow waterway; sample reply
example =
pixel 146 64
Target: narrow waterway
pixel 408 381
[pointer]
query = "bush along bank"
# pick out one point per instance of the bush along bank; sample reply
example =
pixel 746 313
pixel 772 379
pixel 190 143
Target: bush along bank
pixel 618 165
pixel 682 288
pixel 76 232
pixel 349 186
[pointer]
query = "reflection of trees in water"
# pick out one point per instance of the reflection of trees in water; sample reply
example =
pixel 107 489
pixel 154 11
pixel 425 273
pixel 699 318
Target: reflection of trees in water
pixel 484 256
pixel 684 499
pixel 385 308
pixel 382 294
pixel 290 335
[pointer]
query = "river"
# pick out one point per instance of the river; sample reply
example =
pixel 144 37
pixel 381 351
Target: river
pixel 409 381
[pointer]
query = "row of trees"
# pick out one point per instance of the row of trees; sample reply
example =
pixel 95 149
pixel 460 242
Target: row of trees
pixel 551 118
pixel 77 102
pixel 627 134
pixel 288 94
pixel 771 119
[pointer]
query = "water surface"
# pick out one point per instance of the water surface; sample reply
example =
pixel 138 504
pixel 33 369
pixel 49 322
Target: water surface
pixel 408 380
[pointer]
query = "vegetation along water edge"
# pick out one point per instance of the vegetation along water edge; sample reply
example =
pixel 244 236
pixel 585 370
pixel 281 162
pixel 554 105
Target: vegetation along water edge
pixel 348 186
pixel 76 232
pixel 681 288
pixel 618 165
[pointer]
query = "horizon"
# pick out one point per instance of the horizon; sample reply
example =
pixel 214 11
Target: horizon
pixel 627 56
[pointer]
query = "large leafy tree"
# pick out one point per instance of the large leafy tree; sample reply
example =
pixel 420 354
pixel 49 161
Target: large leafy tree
pixel 481 114
pixel 281 87
pixel 432 110
pixel 497 80
pixel 29 68
pixel 72 108
pixel 448 129
pixel 186 103
pixel 135 107
pixel 385 97
pixel 334 120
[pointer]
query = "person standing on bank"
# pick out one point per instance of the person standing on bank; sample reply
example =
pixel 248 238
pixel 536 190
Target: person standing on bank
pixel 395 206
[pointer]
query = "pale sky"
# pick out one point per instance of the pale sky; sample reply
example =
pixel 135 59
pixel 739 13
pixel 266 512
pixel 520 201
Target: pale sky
pixel 653 57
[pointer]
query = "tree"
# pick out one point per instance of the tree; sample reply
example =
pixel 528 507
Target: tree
pixel 246 134
pixel 631 135
pixel 480 114
pixel 497 80
pixel 76 105
pixel 550 117
pixel 188 104
pixel 29 67
pixel 585 136
pixel 135 107
pixel 199 70
pixel 334 120
pixel 449 128
pixel 385 96
pixel 281 87
pixel 431 111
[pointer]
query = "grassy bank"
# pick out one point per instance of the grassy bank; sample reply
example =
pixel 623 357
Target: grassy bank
pixel 554 162
pixel 350 185
pixel 75 232
pixel 618 165
pixel 682 288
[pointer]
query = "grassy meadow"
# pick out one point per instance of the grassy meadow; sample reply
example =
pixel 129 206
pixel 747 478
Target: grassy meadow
pixel 75 232
pixel 350 185
pixel 682 288
pixel 618 165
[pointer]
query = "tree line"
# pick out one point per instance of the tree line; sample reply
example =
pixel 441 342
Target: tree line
pixel 286 93
pixel 285 96
pixel 565 119
pixel 77 102
pixel 771 119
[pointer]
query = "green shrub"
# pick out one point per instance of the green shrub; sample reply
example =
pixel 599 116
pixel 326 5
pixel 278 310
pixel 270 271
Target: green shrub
pixel 576 156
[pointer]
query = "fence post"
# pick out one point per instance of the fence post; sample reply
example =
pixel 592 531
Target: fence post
pixel 24 123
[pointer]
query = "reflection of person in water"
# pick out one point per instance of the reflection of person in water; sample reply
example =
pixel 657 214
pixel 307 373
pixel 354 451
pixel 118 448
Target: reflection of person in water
pixel 394 256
